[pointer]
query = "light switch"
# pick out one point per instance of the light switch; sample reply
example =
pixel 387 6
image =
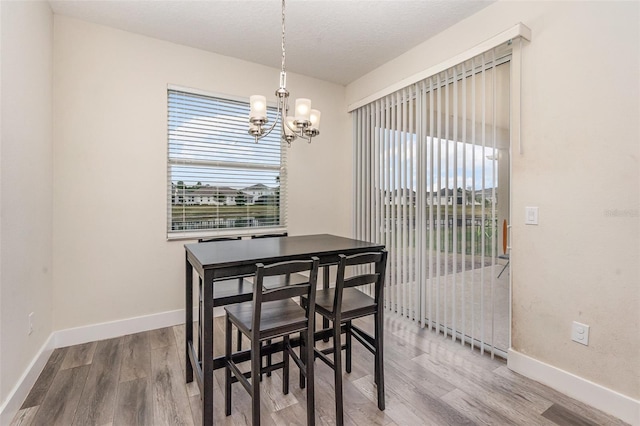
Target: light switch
pixel 531 216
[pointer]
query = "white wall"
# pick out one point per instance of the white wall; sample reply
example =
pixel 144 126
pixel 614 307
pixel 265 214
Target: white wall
pixel 111 257
pixel 25 186
pixel 581 141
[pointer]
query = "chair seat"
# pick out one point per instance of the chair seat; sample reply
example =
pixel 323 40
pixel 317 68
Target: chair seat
pixel 277 318
pixel 232 291
pixel 354 303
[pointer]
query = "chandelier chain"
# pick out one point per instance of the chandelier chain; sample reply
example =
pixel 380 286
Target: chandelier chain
pixel 283 54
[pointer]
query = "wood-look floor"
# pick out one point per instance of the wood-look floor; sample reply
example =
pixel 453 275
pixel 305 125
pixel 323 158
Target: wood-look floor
pixel 139 380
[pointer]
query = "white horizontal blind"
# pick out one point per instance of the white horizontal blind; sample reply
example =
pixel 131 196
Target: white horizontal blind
pixel 219 180
pixel 427 186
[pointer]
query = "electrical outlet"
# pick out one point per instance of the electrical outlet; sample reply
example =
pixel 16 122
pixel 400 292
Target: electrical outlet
pixel 580 333
pixel 30 323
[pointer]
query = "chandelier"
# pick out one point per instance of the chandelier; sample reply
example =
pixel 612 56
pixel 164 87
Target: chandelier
pixel 304 124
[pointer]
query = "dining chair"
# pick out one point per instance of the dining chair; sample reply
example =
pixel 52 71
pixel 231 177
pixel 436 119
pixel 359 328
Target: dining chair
pixel 272 282
pixel 208 240
pixel 344 303
pixel 226 291
pixel 272 314
pixel 283 234
pixel 288 279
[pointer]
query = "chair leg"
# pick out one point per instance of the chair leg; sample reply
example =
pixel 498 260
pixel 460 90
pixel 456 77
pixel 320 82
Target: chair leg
pixel 348 344
pixel 379 358
pixel 261 363
pixel 311 414
pixel 227 375
pixel 285 367
pixel 303 357
pixel 239 343
pixel 337 373
pixel 255 380
pixel 268 342
pixel 269 360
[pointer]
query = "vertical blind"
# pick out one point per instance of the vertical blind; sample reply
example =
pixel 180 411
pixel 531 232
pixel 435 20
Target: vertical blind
pixel 219 180
pixel 432 184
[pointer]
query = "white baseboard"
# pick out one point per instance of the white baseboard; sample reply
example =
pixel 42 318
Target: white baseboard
pixel 597 396
pixel 111 329
pixel 20 391
pixel 108 330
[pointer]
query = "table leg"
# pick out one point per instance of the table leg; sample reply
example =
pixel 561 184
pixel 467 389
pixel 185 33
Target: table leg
pixel 207 348
pixel 200 320
pixel 379 356
pixel 188 322
pixel 325 285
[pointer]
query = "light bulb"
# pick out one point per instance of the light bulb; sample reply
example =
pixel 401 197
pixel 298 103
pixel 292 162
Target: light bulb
pixel 258 107
pixel 315 119
pixel 303 109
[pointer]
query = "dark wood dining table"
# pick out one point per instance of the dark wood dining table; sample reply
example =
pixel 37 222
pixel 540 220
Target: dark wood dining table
pixel 217 260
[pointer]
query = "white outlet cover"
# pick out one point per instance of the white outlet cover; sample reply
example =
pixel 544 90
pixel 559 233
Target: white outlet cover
pixel 580 333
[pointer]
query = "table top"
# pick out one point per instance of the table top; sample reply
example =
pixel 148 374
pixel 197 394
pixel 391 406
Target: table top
pixel 220 254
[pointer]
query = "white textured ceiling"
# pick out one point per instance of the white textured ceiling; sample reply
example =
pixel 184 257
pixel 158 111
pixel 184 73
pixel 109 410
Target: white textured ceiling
pixel 333 40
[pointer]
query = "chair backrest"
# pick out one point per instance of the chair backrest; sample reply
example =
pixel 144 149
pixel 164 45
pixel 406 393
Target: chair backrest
pixel 209 240
pixel 262 295
pixel 378 260
pixel 284 234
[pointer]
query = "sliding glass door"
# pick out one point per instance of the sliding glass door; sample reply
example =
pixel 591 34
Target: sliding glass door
pixel 432 183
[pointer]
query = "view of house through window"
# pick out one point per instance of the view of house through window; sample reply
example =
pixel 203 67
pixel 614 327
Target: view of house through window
pixel 219 180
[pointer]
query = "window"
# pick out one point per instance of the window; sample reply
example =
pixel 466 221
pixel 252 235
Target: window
pixel 220 181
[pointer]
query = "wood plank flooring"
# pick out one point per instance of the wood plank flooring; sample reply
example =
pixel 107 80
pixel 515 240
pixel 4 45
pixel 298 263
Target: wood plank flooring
pixel 139 380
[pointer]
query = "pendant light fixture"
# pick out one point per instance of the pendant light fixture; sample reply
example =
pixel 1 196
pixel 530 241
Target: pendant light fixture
pixel 305 122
